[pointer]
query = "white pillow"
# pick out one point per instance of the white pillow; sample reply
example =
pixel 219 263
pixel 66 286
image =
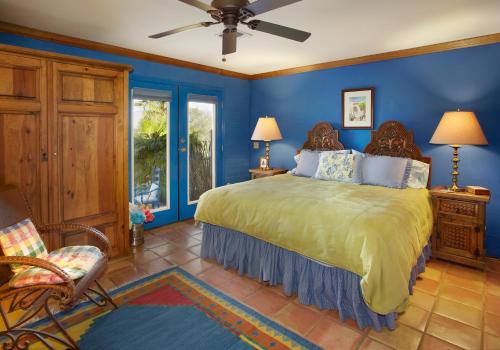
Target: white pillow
pixel 340 151
pixel 296 158
pixel 419 174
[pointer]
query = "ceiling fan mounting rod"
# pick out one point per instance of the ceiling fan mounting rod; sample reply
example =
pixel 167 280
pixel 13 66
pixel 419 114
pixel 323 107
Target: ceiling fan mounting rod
pixel 230 20
pixel 229 4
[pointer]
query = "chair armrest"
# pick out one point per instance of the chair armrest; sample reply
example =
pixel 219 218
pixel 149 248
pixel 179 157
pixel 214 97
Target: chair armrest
pixel 79 227
pixel 43 264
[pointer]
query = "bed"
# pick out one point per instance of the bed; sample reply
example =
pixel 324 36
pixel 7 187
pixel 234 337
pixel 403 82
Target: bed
pixel 354 248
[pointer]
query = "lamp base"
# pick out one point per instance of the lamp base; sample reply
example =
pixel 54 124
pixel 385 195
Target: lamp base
pixel 268 148
pixel 455 160
pixel 457 189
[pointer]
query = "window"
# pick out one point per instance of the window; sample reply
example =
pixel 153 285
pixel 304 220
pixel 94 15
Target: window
pixel 150 147
pixel 201 145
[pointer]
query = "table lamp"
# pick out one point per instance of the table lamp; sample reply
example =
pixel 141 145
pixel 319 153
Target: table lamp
pixel 456 129
pixel 267 130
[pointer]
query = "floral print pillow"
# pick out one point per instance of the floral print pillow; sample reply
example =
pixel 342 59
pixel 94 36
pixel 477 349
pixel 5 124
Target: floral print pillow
pixel 336 167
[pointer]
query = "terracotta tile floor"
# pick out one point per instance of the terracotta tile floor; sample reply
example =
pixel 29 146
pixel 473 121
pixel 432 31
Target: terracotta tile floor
pixel 453 307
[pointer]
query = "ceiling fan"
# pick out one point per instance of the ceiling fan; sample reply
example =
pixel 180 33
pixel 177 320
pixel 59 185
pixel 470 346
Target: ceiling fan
pixel 232 12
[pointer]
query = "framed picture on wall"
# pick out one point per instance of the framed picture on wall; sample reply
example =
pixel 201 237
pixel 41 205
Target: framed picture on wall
pixel 357 108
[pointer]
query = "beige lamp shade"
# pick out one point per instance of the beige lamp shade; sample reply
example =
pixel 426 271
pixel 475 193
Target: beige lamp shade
pixel 459 128
pixel 266 130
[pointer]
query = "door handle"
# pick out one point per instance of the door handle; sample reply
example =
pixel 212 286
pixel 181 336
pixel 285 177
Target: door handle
pixel 183 149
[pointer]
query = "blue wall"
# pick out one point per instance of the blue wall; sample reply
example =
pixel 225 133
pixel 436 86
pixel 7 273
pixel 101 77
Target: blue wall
pixel 415 91
pixel 236 92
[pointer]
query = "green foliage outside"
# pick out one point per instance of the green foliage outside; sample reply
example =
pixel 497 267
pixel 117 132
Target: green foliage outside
pixel 200 152
pixel 150 148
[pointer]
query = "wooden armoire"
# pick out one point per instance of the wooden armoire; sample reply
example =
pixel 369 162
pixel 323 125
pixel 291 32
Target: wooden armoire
pixel 63 141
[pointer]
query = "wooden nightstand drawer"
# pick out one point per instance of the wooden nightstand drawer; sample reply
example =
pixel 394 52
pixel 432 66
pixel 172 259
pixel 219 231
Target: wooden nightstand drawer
pixel 457 207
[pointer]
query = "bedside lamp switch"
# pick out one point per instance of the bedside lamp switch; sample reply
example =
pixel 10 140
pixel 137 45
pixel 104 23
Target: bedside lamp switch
pixel 255 145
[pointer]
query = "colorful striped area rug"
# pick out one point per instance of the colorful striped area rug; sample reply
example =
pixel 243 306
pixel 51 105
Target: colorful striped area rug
pixel 174 310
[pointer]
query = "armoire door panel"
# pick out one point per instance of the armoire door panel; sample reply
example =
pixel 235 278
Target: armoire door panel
pixel 69 108
pixel 96 220
pixel 23 128
pixel 18 82
pixel 20 155
pixel 86 88
pixel 112 232
pixel 88 166
pixel 20 77
pixel 90 143
pixel 81 238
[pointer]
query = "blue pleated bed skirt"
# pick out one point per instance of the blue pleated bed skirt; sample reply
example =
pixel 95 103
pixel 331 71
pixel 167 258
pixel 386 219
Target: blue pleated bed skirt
pixel 315 284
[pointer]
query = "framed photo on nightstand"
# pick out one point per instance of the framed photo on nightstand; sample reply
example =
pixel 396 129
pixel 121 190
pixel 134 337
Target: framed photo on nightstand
pixel 263 163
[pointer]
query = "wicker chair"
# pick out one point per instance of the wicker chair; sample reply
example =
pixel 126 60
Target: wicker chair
pixel 32 300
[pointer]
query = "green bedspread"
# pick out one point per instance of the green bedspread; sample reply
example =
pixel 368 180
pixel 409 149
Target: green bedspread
pixel 376 232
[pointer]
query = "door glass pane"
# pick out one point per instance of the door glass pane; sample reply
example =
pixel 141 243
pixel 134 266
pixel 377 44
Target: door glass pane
pixel 201 146
pixel 151 134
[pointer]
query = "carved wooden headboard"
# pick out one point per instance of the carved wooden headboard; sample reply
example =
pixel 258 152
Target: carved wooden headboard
pixel 323 137
pixel 392 139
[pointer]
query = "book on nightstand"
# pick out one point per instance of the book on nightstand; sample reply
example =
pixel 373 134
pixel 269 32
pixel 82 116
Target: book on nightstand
pixel 478 190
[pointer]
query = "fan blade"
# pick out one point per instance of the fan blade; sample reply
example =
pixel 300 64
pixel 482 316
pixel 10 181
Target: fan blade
pixel 276 29
pixel 229 38
pixel 261 6
pixel 200 5
pixel 181 29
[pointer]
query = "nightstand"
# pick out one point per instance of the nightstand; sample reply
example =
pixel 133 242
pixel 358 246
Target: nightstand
pixel 459 226
pixel 256 173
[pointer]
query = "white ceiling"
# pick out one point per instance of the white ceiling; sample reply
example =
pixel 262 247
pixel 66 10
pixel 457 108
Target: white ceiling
pixel 340 28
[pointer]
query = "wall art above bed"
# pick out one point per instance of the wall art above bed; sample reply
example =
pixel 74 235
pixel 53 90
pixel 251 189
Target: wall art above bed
pixel 357 108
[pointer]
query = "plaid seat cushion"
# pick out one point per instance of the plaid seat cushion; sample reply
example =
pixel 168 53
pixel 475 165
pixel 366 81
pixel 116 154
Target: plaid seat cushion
pixel 76 261
pixel 22 239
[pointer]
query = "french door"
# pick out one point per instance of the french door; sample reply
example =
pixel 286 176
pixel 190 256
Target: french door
pixel 174 148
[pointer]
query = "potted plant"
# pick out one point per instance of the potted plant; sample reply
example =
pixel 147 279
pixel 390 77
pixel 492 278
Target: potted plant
pixel 139 215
